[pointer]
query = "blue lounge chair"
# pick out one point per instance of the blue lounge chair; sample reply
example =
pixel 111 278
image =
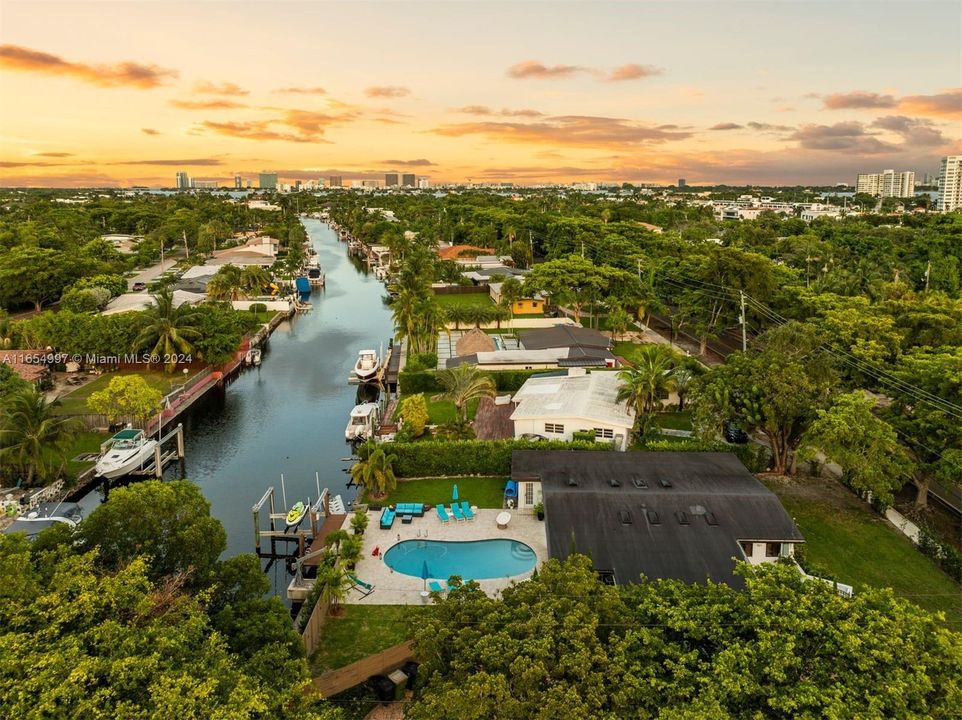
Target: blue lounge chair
pixel 387 519
pixel 456 511
pixel 442 515
pixel 437 587
pixel 466 510
pixel 362 587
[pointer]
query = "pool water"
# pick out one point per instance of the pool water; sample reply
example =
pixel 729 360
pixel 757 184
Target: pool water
pixel 472 560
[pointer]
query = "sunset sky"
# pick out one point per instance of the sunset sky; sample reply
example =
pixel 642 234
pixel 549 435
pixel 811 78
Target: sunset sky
pixel 121 93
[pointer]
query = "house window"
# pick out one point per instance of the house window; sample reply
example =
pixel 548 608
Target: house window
pixel 554 428
pixel 747 548
pixel 529 494
pixel 604 433
pixel 662 394
pixel 773 550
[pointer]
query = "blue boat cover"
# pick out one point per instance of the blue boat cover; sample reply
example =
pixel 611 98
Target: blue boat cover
pixel 511 489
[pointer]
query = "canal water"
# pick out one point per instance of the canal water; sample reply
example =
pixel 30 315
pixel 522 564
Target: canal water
pixel 288 416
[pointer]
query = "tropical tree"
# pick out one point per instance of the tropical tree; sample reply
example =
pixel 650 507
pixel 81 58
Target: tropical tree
pixel 512 290
pixel 375 471
pixel 458 314
pixel 33 438
pixel 643 385
pixel 414 411
pixel 254 279
pixel 462 384
pixel 683 379
pixel 126 396
pixel 619 321
pixel 168 330
pixel 228 283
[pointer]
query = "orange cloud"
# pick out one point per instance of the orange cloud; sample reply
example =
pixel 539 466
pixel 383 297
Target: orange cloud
pixel 206 104
pixel 633 71
pixel 568 130
pixel 420 162
pixel 726 126
pixel 21 59
pixel 149 131
pixel 387 91
pixel 307 126
pixel 224 88
pixel 947 104
pixel 54 154
pixel 534 69
pixel 302 90
pixel 858 100
pixel 504 112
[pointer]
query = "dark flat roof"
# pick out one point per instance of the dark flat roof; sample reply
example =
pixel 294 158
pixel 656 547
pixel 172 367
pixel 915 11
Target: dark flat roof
pixel 588 517
pixel 563 336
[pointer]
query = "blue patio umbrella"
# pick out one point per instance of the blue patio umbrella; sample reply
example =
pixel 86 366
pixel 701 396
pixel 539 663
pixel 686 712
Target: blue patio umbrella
pixel 454 492
pixel 425 574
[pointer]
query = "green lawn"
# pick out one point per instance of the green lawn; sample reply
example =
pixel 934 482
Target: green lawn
pixel 443 411
pixel 626 349
pixel 75 403
pixel 85 442
pixel 483 299
pixel 485 492
pixel 674 420
pixel 859 548
pixel 362 630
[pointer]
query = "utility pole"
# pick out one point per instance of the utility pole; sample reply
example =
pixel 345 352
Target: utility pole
pixel 928 269
pixel 743 321
pixel 186 249
pixel 531 248
pixel 582 248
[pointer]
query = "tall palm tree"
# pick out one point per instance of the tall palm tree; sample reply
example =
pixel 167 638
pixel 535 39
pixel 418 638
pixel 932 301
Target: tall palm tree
pixel 462 384
pixel 683 379
pixel 642 385
pixel 168 330
pixel 226 284
pixel 254 279
pixel 33 439
pixel 375 471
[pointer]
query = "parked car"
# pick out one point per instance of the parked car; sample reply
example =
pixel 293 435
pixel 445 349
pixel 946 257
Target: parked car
pixel 139 286
pixel 735 434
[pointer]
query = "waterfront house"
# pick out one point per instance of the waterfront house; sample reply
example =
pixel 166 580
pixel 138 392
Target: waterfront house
pixel 656 515
pixel 554 407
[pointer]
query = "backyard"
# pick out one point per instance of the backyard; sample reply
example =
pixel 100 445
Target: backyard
pixel 363 630
pixel 75 402
pixel 484 492
pixel 443 411
pixel 83 443
pixel 464 299
pixel 845 539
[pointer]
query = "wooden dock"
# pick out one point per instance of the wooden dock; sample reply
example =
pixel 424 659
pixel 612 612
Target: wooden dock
pixel 331 524
pixel 337 681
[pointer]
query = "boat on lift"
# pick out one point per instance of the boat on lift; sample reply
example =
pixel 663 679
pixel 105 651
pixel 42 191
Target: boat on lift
pixel 367 365
pixel 363 423
pixel 296 514
pixel 125 452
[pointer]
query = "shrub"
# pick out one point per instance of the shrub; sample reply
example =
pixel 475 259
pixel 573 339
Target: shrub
pixel 943 554
pixel 258 308
pixel 422 361
pixel 89 299
pixel 115 284
pixel 752 459
pixel 583 436
pixel 423 381
pixel 414 411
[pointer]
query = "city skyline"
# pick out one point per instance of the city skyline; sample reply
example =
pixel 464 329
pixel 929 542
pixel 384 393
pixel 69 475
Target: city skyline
pixel 738 93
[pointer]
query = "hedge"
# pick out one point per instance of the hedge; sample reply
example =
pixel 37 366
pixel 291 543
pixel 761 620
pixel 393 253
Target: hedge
pixel 470 457
pixel 418 381
pixel 755 459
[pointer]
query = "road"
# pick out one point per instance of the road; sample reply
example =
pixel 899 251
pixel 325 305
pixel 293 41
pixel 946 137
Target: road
pixel 153 272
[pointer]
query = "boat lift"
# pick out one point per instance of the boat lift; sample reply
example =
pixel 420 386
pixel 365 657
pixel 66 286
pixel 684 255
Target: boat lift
pixel 317 513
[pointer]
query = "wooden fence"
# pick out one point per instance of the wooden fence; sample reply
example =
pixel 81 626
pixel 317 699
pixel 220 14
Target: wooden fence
pixel 337 681
pixel 312 631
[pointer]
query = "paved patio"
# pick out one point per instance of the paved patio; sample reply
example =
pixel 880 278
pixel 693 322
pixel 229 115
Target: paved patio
pixel 392 588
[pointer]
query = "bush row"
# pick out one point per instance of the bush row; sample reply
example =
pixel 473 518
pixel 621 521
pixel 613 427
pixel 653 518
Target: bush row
pixel 944 555
pixel 470 457
pixel 418 381
pixel 755 458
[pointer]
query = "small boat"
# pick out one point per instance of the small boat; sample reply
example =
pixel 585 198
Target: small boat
pixel 303 285
pixel 253 356
pixel 367 364
pixel 125 452
pixel 46 515
pixel 363 422
pixel 296 514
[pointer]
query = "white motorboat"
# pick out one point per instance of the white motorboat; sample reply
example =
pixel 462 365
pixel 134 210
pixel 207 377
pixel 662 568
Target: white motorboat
pixel 46 515
pixel 125 452
pixel 363 422
pixel 253 356
pixel 367 364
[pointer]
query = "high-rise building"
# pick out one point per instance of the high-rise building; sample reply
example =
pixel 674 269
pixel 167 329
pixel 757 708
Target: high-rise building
pixel 335 181
pixel 204 184
pixel 887 183
pixel 950 183
pixel 267 181
pixel 369 184
pixel 183 180
pixel 238 182
pixel 390 180
pixel 682 182
pixel 297 185
pixel 408 180
pixel 250 183
pixel 423 182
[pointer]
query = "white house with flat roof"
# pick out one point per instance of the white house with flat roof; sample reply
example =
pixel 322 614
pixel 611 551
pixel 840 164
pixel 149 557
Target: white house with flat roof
pixel 558 406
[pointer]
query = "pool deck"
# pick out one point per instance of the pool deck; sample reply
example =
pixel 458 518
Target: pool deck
pixel 393 588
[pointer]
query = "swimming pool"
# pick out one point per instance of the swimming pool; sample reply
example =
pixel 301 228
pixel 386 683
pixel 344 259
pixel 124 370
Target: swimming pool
pixel 472 560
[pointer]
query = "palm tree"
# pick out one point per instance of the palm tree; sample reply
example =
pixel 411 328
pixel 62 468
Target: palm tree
pixel 375 471
pixel 619 320
pixel 254 279
pixel 458 314
pixel 168 330
pixel 683 379
pixel 462 384
pixel 643 384
pixel 33 438
pixel 226 284
pixel 334 582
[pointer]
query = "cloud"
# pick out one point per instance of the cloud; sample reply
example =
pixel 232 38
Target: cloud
pixel 848 137
pixel 533 69
pixel 131 74
pixel 858 100
pixel 503 112
pixel 726 126
pixel 69 180
pixel 149 131
pixel 197 162
pixel 633 71
pixel 54 154
pixel 206 104
pixel 302 91
pixel 31 163
pixel 224 88
pixel 420 162
pixel 947 104
pixel 566 130
pixel 387 91
pixel 768 127
pixel 915 131
pixel 298 126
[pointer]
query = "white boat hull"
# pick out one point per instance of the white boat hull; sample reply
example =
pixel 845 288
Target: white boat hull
pixel 118 463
